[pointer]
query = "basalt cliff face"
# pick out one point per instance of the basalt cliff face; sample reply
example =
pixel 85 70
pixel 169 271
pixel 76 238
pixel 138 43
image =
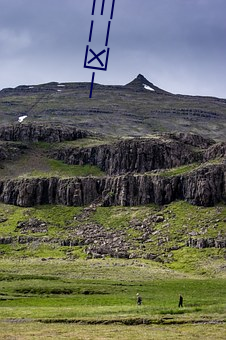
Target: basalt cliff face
pixel 134 171
pixel 205 187
pixel 131 156
pixel 38 132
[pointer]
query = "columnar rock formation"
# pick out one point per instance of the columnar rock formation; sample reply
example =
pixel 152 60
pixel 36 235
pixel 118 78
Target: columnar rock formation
pixel 205 186
pixel 131 155
pixel 133 170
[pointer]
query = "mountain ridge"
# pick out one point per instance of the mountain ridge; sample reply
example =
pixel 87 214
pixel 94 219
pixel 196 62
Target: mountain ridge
pixel 137 83
pixel 138 108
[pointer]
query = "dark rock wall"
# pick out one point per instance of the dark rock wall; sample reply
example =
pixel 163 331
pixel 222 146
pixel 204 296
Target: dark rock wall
pixel 201 243
pixel 131 156
pixel 124 162
pixel 202 187
pixel 11 150
pixel 191 139
pixel 35 133
pixel 206 186
pixel 215 151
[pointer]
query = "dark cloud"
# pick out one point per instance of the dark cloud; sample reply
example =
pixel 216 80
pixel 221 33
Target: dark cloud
pixel 178 44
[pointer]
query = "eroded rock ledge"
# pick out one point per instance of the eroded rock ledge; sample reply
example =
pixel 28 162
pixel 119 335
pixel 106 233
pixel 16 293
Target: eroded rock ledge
pixel 37 132
pixel 131 155
pixel 144 155
pixel 126 163
pixel 204 186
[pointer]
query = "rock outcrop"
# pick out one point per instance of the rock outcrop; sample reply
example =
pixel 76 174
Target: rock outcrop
pixel 138 85
pixel 98 241
pixel 11 151
pixel 37 132
pixel 218 242
pixel 215 151
pixel 139 155
pixel 191 139
pixel 132 166
pixel 205 186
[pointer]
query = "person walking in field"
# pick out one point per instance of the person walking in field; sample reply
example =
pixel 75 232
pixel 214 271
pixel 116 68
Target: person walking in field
pixel 139 299
pixel 180 301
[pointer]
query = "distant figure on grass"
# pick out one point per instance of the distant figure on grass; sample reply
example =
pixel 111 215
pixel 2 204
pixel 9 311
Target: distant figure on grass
pixel 180 301
pixel 139 299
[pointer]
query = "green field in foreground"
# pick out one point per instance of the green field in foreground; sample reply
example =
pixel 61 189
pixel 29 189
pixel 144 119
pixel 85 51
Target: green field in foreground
pixel 110 332
pixel 104 291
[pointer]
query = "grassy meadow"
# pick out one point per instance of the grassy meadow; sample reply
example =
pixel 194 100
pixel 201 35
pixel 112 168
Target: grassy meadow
pixel 52 291
pixel 96 299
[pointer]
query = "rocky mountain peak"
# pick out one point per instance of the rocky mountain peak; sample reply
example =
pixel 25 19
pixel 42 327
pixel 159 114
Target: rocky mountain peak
pixel 140 83
pixel 141 78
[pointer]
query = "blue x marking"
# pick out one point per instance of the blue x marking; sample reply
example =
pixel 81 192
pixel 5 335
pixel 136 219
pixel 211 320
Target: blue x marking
pixel 96 56
pixel 102 65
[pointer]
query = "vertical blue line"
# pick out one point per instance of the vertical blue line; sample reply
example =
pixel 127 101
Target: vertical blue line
pixel 109 25
pixel 112 9
pixel 102 9
pixel 87 50
pixel 94 3
pixel 108 50
pixel 91 87
pixel 91 31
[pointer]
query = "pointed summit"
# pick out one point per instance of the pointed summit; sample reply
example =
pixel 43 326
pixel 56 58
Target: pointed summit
pixel 140 83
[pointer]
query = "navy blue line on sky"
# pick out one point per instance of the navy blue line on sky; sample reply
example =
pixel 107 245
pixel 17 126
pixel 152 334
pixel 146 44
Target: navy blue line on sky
pixel 108 31
pixel 102 8
pixel 93 9
pixel 91 30
pixel 112 9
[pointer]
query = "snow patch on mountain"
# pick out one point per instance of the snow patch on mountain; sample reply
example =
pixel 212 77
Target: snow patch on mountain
pixel 148 87
pixel 21 118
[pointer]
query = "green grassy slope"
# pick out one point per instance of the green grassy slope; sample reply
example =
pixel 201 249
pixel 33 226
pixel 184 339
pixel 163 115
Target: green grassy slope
pixel 167 244
pixel 35 162
pixel 104 291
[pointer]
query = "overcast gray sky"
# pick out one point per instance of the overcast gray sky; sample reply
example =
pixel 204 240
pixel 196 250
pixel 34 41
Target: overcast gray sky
pixel 179 45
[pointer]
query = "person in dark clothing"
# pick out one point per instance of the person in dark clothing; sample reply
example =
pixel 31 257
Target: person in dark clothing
pixel 180 301
pixel 139 299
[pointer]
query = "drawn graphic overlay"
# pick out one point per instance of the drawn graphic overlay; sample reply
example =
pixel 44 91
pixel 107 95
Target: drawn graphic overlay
pixel 98 60
pixel 96 56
